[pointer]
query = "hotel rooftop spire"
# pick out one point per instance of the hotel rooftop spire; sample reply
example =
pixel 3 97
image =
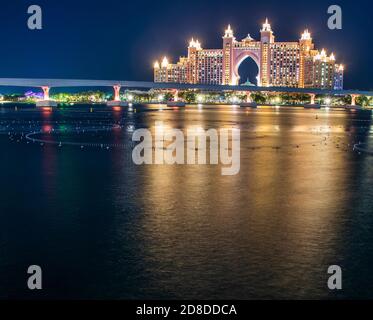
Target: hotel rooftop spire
pixel 266 26
pixel 228 32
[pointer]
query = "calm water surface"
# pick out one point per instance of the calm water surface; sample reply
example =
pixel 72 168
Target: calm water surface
pixel 102 227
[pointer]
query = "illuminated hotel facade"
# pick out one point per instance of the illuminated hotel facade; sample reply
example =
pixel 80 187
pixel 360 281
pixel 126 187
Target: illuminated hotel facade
pixel 280 64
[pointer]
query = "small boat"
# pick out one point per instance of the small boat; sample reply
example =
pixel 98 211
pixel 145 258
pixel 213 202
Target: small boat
pixel 176 104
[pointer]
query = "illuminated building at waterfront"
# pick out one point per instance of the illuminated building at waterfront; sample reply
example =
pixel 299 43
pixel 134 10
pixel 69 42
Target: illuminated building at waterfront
pixel 280 64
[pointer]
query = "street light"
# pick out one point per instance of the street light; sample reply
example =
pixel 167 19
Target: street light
pixel 199 98
pixel 234 99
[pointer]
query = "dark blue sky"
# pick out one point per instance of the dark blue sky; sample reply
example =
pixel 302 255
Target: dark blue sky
pixel 119 39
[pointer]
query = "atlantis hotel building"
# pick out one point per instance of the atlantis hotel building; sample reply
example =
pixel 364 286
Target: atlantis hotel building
pixel 280 64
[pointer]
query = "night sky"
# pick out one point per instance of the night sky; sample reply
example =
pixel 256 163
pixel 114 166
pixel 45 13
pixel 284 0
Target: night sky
pixel 119 39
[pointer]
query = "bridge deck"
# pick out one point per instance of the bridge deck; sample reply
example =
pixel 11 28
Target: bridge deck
pixel 59 83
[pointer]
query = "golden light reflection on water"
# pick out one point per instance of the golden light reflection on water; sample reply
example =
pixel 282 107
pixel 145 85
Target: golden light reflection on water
pixel 300 202
pixel 283 209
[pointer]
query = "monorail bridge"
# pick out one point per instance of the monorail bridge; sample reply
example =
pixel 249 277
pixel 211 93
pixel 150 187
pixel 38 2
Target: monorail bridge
pixel 47 84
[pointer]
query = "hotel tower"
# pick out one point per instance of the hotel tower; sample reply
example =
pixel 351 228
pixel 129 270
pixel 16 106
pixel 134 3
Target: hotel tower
pixel 280 64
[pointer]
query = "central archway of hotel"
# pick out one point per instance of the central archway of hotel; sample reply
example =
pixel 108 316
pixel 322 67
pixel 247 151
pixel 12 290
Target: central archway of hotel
pixel 246 69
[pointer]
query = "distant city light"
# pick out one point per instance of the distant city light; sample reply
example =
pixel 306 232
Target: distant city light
pixel 235 99
pixel 200 98
pixel 277 100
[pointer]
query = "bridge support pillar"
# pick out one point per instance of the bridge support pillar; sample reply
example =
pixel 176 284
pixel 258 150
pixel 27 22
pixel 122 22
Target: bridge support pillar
pixel 353 99
pixel 46 92
pixel 176 102
pixel 116 93
pixel 248 97
pixel 116 102
pixel 46 102
pixel 248 101
pixel 312 104
pixel 176 95
pixel 313 96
